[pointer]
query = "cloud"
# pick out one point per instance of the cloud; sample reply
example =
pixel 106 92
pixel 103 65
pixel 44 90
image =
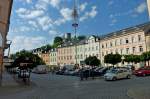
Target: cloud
pixel 141 8
pixel 20 29
pixel 33 23
pixel 113 22
pixel 66 13
pixel 53 32
pixel 25 42
pixel 45 22
pixel 90 14
pixel 29 14
pixel 55 3
pixel 83 6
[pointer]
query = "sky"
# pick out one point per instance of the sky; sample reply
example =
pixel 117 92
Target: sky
pixel 36 22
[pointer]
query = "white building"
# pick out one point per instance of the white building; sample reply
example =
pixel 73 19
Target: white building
pixel 53 57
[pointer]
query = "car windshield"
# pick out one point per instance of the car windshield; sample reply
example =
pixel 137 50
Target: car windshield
pixel 112 71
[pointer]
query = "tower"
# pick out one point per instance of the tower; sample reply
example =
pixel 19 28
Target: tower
pixel 75 25
pixel 148 5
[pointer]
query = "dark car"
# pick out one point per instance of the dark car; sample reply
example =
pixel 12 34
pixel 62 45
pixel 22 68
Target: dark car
pixel 100 71
pixel 142 71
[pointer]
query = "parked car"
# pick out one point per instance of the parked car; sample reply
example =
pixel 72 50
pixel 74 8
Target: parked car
pixel 142 71
pixel 100 71
pixel 115 74
pixel 40 69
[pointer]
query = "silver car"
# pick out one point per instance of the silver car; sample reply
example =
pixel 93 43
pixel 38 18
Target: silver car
pixel 115 74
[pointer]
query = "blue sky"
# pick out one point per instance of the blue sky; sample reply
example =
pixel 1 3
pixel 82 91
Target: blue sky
pixel 36 22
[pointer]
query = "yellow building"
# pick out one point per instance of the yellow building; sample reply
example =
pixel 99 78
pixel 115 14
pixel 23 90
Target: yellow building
pixel 133 40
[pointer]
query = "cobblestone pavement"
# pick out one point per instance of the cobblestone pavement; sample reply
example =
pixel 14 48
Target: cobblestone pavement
pixel 68 87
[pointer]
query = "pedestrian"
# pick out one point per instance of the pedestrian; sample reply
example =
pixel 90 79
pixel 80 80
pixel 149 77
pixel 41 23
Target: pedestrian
pixel 82 72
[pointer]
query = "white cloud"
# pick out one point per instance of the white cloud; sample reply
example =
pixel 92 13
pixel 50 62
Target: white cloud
pixel 55 3
pixel 53 33
pixel 33 23
pixel 113 22
pixel 28 1
pixel 29 14
pixel 90 14
pixel 26 42
pixel 93 12
pixel 45 22
pixel 20 29
pixel 83 6
pixel 66 13
pixel 141 8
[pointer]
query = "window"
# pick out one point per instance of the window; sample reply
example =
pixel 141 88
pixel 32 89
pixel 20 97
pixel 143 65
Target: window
pixel 127 41
pixel 139 38
pixel 102 53
pixel 133 49
pixel 81 56
pixel 96 47
pixel 85 49
pixel 121 51
pixel 120 41
pixel 132 38
pixel 92 48
pixel 110 44
pixel 140 48
pixel 127 50
pixel 96 55
pixel 106 45
pixel 115 42
pixel 102 46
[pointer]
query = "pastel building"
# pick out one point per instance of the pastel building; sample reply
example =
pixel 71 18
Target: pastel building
pixel 133 40
pixel 53 57
pixel 92 47
pixel 66 54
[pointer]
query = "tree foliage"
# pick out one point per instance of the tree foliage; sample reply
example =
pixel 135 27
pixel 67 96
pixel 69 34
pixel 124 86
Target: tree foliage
pixel 92 61
pixel 82 37
pixel 112 59
pixel 28 57
pixel 132 58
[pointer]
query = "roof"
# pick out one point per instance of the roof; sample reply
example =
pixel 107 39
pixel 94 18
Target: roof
pixel 127 30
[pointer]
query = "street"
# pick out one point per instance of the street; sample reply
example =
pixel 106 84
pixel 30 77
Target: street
pixel 49 86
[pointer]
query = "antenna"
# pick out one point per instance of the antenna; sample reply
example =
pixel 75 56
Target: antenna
pixel 75 25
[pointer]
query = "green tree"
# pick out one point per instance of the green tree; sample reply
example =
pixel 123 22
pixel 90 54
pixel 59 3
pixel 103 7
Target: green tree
pixel 112 59
pixel 57 41
pixel 21 56
pixel 92 61
pixel 82 37
pixel 132 58
pixel 145 57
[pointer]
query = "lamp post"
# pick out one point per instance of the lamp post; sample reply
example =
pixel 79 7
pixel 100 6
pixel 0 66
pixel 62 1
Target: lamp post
pixel 75 25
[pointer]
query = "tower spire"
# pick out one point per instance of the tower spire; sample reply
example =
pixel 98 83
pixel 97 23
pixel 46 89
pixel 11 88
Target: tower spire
pixel 75 25
pixel 148 5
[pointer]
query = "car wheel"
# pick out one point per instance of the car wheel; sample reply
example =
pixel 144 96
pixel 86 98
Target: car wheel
pixel 128 77
pixel 144 75
pixel 114 78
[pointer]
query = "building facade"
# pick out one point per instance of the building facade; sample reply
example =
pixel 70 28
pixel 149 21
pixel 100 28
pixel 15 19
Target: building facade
pixel 66 54
pixel 92 47
pixel 5 12
pixel 53 57
pixel 46 57
pixel 134 40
